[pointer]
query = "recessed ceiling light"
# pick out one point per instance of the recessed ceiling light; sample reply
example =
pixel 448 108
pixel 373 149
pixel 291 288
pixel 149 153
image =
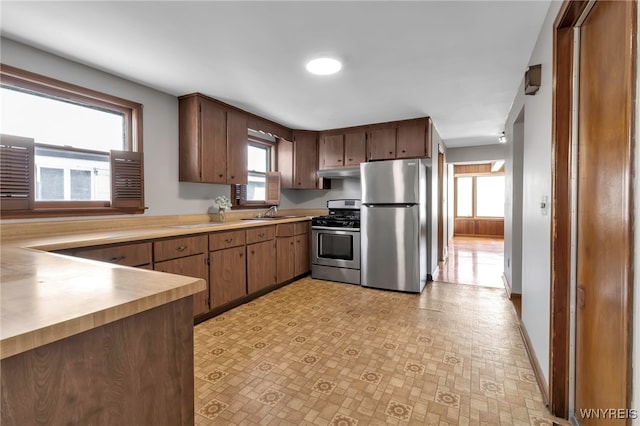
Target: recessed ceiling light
pixel 324 66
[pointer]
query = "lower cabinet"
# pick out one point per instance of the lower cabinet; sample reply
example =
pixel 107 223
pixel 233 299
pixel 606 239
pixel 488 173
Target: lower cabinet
pixel 302 258
pixel 185 256
pixel 292 250
pixel 261 258
pixel 234 263
pixel 286 248
pixel 227 267
pixel 137 254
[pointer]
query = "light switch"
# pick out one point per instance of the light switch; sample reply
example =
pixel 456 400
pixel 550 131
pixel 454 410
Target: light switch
pixel 544 205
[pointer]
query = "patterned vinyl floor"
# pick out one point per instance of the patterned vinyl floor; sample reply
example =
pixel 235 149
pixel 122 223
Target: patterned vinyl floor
pixel 323 353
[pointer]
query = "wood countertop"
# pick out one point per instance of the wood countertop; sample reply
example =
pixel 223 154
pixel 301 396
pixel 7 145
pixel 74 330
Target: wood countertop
pixel 47 297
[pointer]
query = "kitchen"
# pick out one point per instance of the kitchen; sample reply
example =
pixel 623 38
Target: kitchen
pixel 167 196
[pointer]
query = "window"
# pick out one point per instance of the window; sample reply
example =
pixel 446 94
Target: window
pixel 258 166
pixel 480 196
pixel 82 149
pixel 263 184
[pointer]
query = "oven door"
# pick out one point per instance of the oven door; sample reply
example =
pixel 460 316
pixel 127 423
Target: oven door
pixel 336 247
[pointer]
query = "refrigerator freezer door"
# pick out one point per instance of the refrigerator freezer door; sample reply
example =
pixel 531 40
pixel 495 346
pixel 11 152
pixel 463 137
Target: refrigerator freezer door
pixel 391 248
pixel 390 182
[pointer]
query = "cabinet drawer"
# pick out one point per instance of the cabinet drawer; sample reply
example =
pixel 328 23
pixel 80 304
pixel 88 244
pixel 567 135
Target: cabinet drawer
pixel 179 247
pixel 263 233
pixel 301 227
pixel 128 255
pixel 223 240
pixel 284 230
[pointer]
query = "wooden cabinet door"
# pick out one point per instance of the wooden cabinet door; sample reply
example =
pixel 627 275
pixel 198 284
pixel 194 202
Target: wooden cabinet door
pixel 302 259
pixel 213 142
pixel 382 144
pixel 129 255
pixel 228 272
pixel 412 140
pixel 285 163
pixel 285 259
pixel 355 148
pixel 331 151
pixel 179 247
pixel 261 265
pixel 305 160
pixel 237 142
pixel 191 266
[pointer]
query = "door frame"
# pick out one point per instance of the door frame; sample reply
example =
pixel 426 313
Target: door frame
pixel 562 154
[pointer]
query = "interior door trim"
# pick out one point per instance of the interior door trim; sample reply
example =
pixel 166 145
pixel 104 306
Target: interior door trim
pixel 569 17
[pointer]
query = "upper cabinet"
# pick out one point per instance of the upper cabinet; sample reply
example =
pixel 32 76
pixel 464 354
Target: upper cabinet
pixel 355 148
pixel 382 143
pixel 414 139
pixel 331 151
pixel 213 142
pixel 348 147
pixel 298 160
pixel 345 149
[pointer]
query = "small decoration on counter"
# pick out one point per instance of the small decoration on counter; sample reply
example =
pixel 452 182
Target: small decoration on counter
pixel 223 203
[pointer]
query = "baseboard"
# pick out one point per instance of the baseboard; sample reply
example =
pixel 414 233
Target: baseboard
pixel 537 371
pixel 506 284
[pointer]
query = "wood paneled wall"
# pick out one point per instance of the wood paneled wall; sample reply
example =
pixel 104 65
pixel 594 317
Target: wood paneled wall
pixel 479 227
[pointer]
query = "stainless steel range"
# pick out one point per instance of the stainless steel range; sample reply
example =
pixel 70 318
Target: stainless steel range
pixel 335 251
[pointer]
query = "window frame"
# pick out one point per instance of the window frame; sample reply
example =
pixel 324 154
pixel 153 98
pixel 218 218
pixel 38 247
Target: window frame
pixel 239 203
pixel 474 196
pixel 133 140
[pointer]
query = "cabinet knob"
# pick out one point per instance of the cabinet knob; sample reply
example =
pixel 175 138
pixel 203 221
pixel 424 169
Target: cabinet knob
pixel 220 175
pixel 181 248
pixel 403 150
pixel 339 161
pixel 350 159
pixel 117 259
pixel 241 254
pixel 261 235
pixel 390 152
pixel 233 177
pixel 253 252
pixel 228 240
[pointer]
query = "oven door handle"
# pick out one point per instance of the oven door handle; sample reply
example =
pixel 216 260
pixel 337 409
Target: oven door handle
pixel 330 228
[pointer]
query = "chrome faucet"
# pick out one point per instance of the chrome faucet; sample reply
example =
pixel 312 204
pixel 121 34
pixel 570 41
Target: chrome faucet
pixel 270 212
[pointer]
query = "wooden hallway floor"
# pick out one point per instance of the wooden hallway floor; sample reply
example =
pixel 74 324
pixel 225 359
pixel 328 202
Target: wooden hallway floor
pixel 474 261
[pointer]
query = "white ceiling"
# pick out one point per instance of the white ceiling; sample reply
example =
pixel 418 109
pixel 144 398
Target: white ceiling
pixel 460 62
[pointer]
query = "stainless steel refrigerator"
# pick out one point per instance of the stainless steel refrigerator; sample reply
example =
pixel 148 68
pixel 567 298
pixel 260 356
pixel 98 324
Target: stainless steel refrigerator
pixel 393 224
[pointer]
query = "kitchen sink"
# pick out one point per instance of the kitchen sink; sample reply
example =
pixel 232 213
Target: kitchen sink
pixel 273 217
pixel 196 225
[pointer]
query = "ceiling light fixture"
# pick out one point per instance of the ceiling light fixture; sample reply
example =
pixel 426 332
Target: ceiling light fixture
pixel 324 66
pixel 502 138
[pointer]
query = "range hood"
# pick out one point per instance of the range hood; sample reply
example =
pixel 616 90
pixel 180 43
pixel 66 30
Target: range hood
pixel 351 172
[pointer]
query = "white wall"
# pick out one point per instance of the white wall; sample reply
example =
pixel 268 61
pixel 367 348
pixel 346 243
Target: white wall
pixel 536 181
pixel 317 199
pixel 474 154
pixel 163 193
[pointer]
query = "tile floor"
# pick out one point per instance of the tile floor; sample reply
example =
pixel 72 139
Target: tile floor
pixel 323 353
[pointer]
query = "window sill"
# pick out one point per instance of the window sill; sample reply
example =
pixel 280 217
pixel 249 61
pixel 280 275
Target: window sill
pixel 67 212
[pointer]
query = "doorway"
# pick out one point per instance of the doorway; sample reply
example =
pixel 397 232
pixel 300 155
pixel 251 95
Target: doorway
pixel 592 248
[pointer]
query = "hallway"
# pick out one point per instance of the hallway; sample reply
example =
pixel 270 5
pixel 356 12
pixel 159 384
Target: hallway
pixel 474 261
